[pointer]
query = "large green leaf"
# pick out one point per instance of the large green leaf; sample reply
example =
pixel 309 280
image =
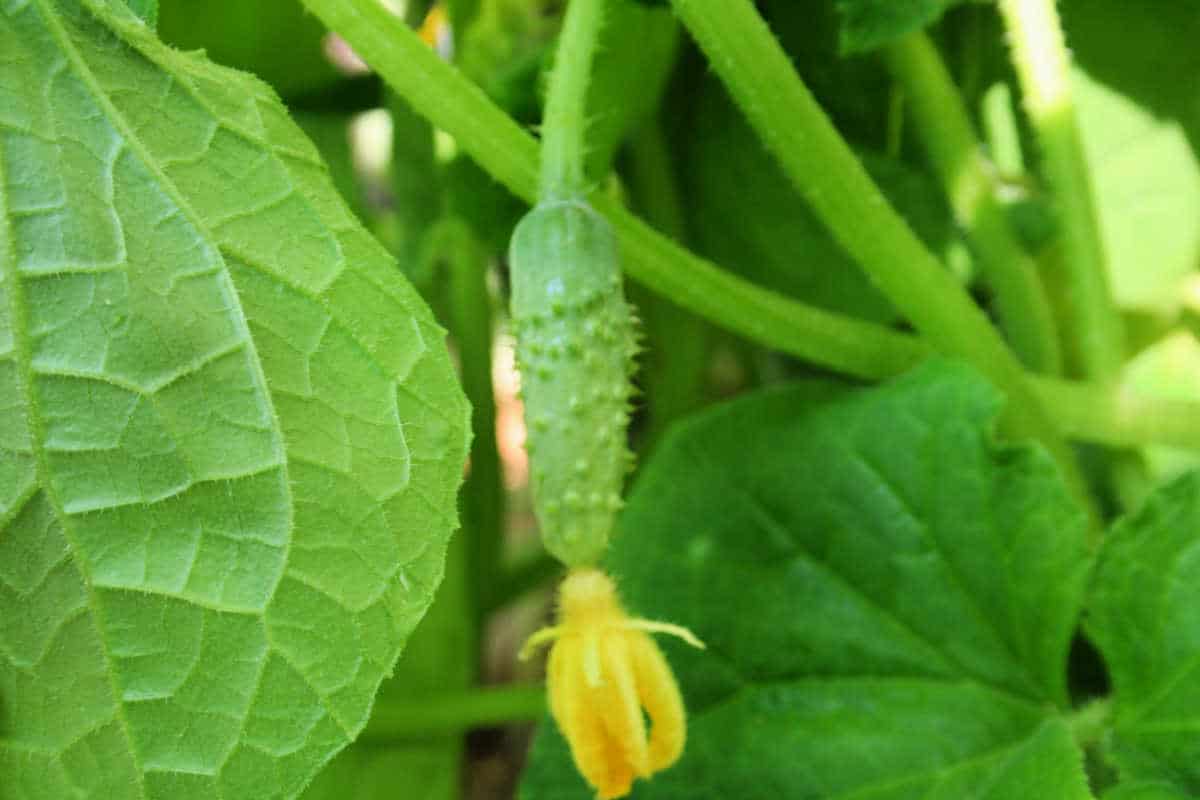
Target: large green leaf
pixel 1142 50
pixel 439 659
pixel 887 597
pixel 1145 791
pixel 1147 183
pixel 1145 618
pixel 230 435
pixel 1140 124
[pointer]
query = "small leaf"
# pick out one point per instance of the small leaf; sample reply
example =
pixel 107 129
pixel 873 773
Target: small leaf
pixel 146 9
pixel 230 434
pixel 887 598
pixel 1144 615
pixel 867 24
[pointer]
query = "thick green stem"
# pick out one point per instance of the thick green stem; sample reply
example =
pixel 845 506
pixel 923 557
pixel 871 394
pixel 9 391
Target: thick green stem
pixel 760 77
pixel 1000 129
pixel 564 122
pixel 483 131
pixel 414 183
pixel 675 365
pixel 471 322
pixel 945 130
pixel 437 90
pixel 1043 67
pixel 857 348
pixel 1108 414
pixel 843 344
pixel 652 180
pixel 455 713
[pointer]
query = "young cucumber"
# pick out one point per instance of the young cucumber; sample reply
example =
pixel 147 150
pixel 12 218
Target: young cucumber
pixel 575 347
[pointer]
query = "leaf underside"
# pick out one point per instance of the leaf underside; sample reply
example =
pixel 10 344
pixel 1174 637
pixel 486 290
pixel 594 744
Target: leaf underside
pixel 887 598
pixel 230 434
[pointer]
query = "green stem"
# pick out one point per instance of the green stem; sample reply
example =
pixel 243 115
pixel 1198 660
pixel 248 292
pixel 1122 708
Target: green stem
pixel 455 713
pixel 674 367
pixel 944 127
pixel 436 89
pixel 822 337
pixel 1089 723
pixel 652 180
pixel 531 572
pixel 1043 67
pixel 1000 130
pixel 1110 415
pixel 760 77
pixel 471 321
pixel 564 122
pixel 499 145
pixel 414 181
pixel 840 343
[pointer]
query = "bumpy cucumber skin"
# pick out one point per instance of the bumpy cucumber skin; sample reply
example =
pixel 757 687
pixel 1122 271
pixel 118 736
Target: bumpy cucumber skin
pixel 575 348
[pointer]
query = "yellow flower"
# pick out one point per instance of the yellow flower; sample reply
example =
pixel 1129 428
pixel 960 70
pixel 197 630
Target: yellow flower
pixel 603 670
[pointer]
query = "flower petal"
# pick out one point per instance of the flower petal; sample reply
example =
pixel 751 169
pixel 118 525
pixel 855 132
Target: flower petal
pixel 557 682
pixel 619 781
pixel 620 709
pixel 659 693
pixel 577 708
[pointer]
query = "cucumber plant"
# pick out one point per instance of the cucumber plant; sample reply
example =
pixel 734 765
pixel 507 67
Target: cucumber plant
pixel 575 347
pixel 941 544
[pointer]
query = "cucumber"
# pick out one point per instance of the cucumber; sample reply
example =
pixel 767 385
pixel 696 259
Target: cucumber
pixel 575 347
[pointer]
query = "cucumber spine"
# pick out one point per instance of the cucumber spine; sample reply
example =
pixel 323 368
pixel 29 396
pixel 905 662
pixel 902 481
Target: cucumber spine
pixel 575 347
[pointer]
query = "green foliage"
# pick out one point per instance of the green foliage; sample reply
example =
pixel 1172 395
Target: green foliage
pixel 887 597
pixel 1144 615
pixel 274 39
pixel 437 660
pixel 634 57
pixel 747 216
pixel 231 436
pixel 854 90
pixel 1147 182
pixel 1139 50
pixel 146 9
pixel 867 24
pixel 1141 132
pixel 1170 369
pixel 504 49
pixel 330 134
pixel 1145 791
